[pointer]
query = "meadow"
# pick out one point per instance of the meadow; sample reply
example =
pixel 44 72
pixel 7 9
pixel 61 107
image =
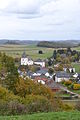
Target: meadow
pixel 31 50
pixel 46 116
pixel 76 66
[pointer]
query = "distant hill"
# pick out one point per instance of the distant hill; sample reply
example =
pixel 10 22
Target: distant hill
pixel 59 44
pixel 13 42
pixel 49 44
pixel 18 42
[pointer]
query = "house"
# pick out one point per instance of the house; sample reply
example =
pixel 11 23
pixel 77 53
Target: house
pixel 53 86
pixel 42 71
pixel 56 66
pixel 40 62
pixel 25 60
pixel 62 76
pixel 71 69
pixel 75 75
pixel 78 78
pixel 41 79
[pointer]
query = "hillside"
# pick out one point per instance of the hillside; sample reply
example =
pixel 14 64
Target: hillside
pixel 59 44
pixel 18 42
pixel 46 116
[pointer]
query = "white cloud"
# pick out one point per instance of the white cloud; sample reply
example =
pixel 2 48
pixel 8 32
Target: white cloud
pixel 21 6
pixel 40 19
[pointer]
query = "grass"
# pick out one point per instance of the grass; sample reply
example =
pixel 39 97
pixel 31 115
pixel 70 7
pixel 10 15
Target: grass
pixel 76 91
pixel 31 50
pixel 76 66
pixel 76 48
pixel 46 116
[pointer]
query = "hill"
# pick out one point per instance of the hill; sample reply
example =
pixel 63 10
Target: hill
pixel 59 44
pixel 18 42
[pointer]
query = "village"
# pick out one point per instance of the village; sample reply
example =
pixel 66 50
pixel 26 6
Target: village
pixel 59 77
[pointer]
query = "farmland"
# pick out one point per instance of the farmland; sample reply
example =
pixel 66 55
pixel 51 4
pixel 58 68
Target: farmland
pixel 31 50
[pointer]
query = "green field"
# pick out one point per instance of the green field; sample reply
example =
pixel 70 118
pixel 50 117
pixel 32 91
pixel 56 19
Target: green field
pixel 76 66
pixel 31 50
pixel 76 48
pixel 46 116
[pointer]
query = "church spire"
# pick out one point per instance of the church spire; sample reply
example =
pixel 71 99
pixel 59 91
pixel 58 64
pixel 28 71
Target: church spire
pixel 24 55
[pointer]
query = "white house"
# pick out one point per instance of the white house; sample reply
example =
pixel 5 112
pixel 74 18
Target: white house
pixel 71 70
pixel 40 62
pixel 75 75
pixel 25 60
pixel 41 81
pixel 60 76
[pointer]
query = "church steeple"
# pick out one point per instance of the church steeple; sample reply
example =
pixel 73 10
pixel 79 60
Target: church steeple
pixel 24 55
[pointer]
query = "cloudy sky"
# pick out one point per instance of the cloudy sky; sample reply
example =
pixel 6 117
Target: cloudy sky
pixel 40 19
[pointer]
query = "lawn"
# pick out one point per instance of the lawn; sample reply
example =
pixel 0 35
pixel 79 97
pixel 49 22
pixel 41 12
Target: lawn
pixel 76 48
pixel 31 50
pixel 76 66
pixel 46 116
pixel 76 91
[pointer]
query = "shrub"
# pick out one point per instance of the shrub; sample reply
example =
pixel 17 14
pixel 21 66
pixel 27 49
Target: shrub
pixel 7 96
pixel 76 86
pixel 40 52
pixel 77 107
pixel 67 107
pixel 12 108
pixel 28 87
pixel 37 103
pixel 67 83
pixel 16 108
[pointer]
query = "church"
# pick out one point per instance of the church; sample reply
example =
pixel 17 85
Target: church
pixel 25 60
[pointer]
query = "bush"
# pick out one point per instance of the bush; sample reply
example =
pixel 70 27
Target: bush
pixel 40 52
pixel 67 107
pixel 7 96
pixel 28 87
pixel 77 107
pixel 67 83
pixel 12 108
pixel 76 86
pixel 16 108
pixel 37 103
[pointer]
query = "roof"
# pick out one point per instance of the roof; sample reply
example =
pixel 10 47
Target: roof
pixel 24 55
pixel 41 78
pixel 78 82
pixel 53 85
pixel 62 74
pixel 79 75
pixel 39 60
pixel 42 71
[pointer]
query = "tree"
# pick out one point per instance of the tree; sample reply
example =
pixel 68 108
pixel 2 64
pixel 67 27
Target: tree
pixel 51 70
pixel 66 61
pixel 58 58
pixel 28 87
pixel 54 54
pixel 40 52
pixel 11 73
pixel 50 62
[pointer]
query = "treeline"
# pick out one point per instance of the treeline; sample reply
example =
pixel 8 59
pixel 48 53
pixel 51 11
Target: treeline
pixel 58 44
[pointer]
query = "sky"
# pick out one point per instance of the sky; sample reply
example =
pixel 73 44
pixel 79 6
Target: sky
pixel 40 19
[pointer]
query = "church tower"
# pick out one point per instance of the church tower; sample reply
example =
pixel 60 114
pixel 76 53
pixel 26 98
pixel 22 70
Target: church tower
pixel 24 59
